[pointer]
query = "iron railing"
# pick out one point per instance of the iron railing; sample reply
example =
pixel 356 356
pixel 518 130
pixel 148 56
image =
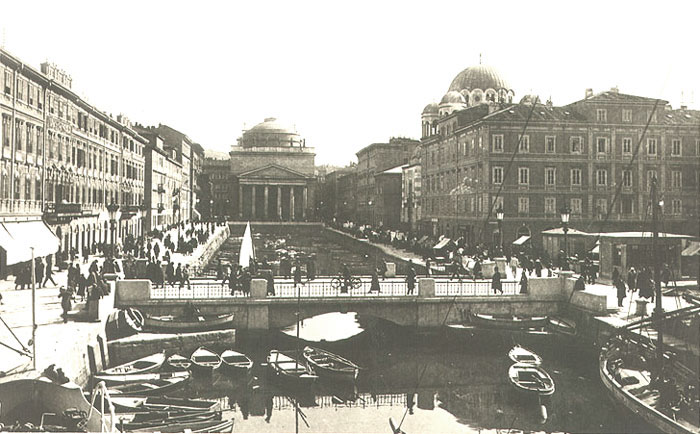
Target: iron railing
pixel 472 288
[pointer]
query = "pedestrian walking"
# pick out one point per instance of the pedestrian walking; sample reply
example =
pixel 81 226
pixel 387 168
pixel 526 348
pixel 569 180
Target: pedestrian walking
pixel 270 284
pixel 456 267
pixel 65 295
pixel 156 250
pixel 580 284
pixel 311 268
pixel 410 278
pixel 39 272
pixel 496 282
pixel 225 274
pixel 538 268
pixel 632 280
pixel 186 277
pixel 621 290
pixel 523 283
pixel 383 268
pixel 374 285
pixel 428 265
pixel 178 274
pixel 297 273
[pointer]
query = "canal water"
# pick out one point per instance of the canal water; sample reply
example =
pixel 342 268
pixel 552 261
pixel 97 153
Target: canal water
pixel 436 383
pixel 330 250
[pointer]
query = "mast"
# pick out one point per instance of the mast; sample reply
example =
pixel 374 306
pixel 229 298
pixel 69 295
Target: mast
pixel 658 310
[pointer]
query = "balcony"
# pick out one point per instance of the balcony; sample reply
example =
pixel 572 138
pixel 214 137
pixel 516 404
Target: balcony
pixel 63 212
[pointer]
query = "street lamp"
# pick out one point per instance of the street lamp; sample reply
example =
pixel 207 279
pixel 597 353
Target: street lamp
pixel 176 209
pixel 565 215
pixel 369 204
pixel 113 209
pixel 499 219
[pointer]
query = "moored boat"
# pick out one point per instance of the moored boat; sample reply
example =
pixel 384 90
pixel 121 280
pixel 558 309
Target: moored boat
pixel 508 322
pixel 199 323
pixel 143 365
pixel 137 404
pixel 289 370
pixel 178 363
pixel 153 387
pixel 153 421
pixel 140 378
pixel 531 379
pixel 235 362
pixel 204 360
pixel 519 354
pixel 192 426
pixel 328 365
pixel 561 325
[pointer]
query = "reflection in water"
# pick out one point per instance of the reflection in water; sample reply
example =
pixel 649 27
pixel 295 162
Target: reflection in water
pixel 464 387
pixel 329 327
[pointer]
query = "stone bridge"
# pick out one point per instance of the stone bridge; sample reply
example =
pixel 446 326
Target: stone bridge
pixel 435 302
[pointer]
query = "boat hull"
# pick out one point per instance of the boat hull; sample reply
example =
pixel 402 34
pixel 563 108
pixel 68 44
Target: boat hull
pixel 124 323
pixel 173 325
pixel 506 323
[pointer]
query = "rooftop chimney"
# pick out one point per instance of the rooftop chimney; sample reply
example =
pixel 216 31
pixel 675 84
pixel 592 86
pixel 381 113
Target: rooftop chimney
pixel 684 107
pixel 615 89
pixel 589 93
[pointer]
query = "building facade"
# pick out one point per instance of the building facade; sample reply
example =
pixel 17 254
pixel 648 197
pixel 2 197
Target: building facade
pixel 273 174
pixel 386 212
pixel 217 192
pixel 372 160
pixel 64 160
pixel 576 156
pixel 411 193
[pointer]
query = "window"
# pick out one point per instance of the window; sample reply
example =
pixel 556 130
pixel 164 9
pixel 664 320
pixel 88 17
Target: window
pixel 627 178
pixel 498 175
pixel 676 179
pixel 8 82
pixel 575 176
pixel 676 206
pixel 602 145
pixel 497 143
pixel 523 175
pixel 601 115
pixel 37 189
pixel 20 90
pixel 626 115
pixel 652 116
pixel 550 176
pixel 6 130
pixel 576 143
pixel 550 144
pixel 550 205
pixel 576 206
pixel 28 188
pixel 651 175
pixel 523 205
pixel 651 146
pixel 497 203
pixel 601 206
pixel 627 145
pixel 676 147
pixel 18 135
pixel 601 176
pixel 627 204
pixel 524 143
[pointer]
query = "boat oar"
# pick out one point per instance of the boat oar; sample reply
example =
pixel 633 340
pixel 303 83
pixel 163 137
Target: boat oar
pixel 24 353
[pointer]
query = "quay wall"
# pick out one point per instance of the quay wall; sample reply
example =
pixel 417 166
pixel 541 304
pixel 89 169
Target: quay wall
pixel 212 246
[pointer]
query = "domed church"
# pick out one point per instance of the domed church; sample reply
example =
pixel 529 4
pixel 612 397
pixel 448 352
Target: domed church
pixel 474 86
pixel 273 173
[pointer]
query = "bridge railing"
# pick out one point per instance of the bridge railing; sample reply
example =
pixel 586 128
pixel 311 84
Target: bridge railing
pixel 467 288
pixel 325 288
pixel 197 289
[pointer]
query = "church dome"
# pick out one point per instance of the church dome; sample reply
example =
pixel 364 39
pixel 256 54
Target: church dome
pixel 453 97
pixel 270 133
pixel 478 77
pixel 430 109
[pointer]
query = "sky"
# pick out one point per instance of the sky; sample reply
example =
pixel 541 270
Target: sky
pixel 346 74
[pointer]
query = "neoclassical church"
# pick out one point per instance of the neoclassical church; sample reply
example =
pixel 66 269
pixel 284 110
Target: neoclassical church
pixel 273 174
pixel 474 86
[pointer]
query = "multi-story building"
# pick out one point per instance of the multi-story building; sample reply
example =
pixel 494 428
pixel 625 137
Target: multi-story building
pixel 273 174
pixel 64 160
pixel 196 167
pixel 532 159
pixel 217 194
pixel 374 159
pixel 182 146
pixel 163 176
pixel 347 195
pixel 410 193
pixel 386 211
pixel 329 199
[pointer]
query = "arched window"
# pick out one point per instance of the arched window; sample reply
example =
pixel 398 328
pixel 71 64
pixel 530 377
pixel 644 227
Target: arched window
pixel 17 187
pixel 4 185
pixel 28 187
pixel 37 188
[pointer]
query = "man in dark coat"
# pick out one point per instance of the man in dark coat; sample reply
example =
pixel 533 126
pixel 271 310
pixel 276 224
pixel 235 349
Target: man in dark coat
pixel 496 282
pixel 523 283
pixel 410 278
pixel 383 268
pixel 297 273
pixel 580 284
pixel 39 272
pixel 621 290
pixel 631 280
pixel 311 268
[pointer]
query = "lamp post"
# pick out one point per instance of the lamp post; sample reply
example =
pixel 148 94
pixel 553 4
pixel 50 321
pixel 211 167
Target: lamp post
pixel 369 204
pixel 499 219
pixel 176 210
pixel 565 215
pixel 112 209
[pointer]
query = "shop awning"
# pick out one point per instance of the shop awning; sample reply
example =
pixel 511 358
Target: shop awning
pixel 596 250
pixel 520 241
pixel 18 239
pixel 442 243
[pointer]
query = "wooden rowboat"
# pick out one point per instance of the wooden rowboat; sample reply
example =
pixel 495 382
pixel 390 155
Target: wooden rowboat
pixel 326 364
pixel 235 362
pixel 143 365
pixel 172 324
pixel 195 427
pixel 140 378
pixel 289 370
pixel 510 322
pixel 145 422
pixel 178 362
pixel 136 404
pixel 562 326
pixel 204 360
pixel 531 379
pixel 154 387
pixel 520 354
pixel 123 323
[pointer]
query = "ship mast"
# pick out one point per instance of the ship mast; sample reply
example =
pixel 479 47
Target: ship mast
pixel 658 310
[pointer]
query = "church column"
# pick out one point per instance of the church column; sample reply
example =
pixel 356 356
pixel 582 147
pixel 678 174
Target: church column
pixel 279 202
pixel 252 202
pixel 291 203
pixel 240 201
pixel 266 202
pixel 304 203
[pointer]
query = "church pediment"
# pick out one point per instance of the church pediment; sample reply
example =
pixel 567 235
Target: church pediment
pixel 273 171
